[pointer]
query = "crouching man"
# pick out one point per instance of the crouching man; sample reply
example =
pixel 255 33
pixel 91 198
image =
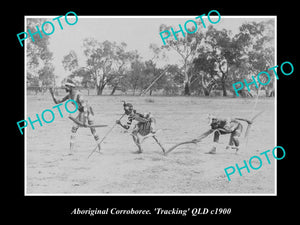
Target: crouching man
pixel 221 126
pixel 144 128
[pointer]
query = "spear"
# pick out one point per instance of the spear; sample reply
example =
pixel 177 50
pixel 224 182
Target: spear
pixel 153 82
pixel 204 135
pixel 250 124
pixel 108 132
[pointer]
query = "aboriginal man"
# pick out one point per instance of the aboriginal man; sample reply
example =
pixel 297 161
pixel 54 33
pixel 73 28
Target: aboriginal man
pixel 221 126
pixel 144 128
pixel 86 113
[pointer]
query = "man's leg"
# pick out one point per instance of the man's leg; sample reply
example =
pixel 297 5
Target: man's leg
pixel 93 130
pixel 231 143
pixel 136 138
pixel 234 138
pixel 73 132
pixel 72 138
pixel 160 145
pixel 96 137
pixel 217 134
pixel 152 124
pixel 236 141
pixel 137 142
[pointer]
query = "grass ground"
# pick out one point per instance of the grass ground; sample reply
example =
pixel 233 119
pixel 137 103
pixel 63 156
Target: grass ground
pixel 118 170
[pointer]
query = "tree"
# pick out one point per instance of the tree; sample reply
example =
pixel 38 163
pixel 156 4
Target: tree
pixel 151 72
pixel 99 61
pixel 38 56
pixel 121 65
pixel 173 80
pixel 70 64
pixel 257 40
pixel 153 77
pixel 206 74
pixel 46 74
pixel 136 78
pixel 224 51
pixel 70 61
pixel 187 47
pixel 106 63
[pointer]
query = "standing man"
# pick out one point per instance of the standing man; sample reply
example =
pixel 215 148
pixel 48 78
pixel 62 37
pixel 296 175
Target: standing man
pixel 145 126
pixel 85 112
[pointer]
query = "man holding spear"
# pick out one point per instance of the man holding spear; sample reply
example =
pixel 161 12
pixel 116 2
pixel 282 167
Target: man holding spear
pixel 220 126
pixel 144 128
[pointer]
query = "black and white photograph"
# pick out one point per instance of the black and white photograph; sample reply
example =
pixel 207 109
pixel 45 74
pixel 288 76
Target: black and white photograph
pixel 150 105
pixel 130 112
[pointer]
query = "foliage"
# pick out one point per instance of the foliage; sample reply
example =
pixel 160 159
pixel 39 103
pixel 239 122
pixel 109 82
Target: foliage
pixel 39 67
pixel 211 60
pixel 187 47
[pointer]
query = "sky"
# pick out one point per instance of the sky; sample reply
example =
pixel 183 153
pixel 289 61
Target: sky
pixel 137 32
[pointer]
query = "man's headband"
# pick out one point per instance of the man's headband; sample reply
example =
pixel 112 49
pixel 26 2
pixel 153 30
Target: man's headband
pixel 69 84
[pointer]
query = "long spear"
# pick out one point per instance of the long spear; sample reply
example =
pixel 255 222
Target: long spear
pixel 153 82
pixel 249 125
pixel 105 137
pixel 204 135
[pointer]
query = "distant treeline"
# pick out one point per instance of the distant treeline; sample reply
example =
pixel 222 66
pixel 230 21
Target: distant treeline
pixel 210 63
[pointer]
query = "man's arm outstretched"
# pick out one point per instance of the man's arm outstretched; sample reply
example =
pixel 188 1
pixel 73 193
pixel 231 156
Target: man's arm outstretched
pixel 57 101
pixel 204 135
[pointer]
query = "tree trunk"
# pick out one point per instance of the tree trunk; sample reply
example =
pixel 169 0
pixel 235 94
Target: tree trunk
pixel 223 79
pixel 100 89
pixel 113 90
pixel 187 83
pixel 206 92
pixel 187 88
pixel 267 92
pixel 224 88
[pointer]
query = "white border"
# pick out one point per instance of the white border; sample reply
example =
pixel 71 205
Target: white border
pixel 146 194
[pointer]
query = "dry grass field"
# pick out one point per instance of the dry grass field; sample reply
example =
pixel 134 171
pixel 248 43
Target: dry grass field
pixel 119 170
